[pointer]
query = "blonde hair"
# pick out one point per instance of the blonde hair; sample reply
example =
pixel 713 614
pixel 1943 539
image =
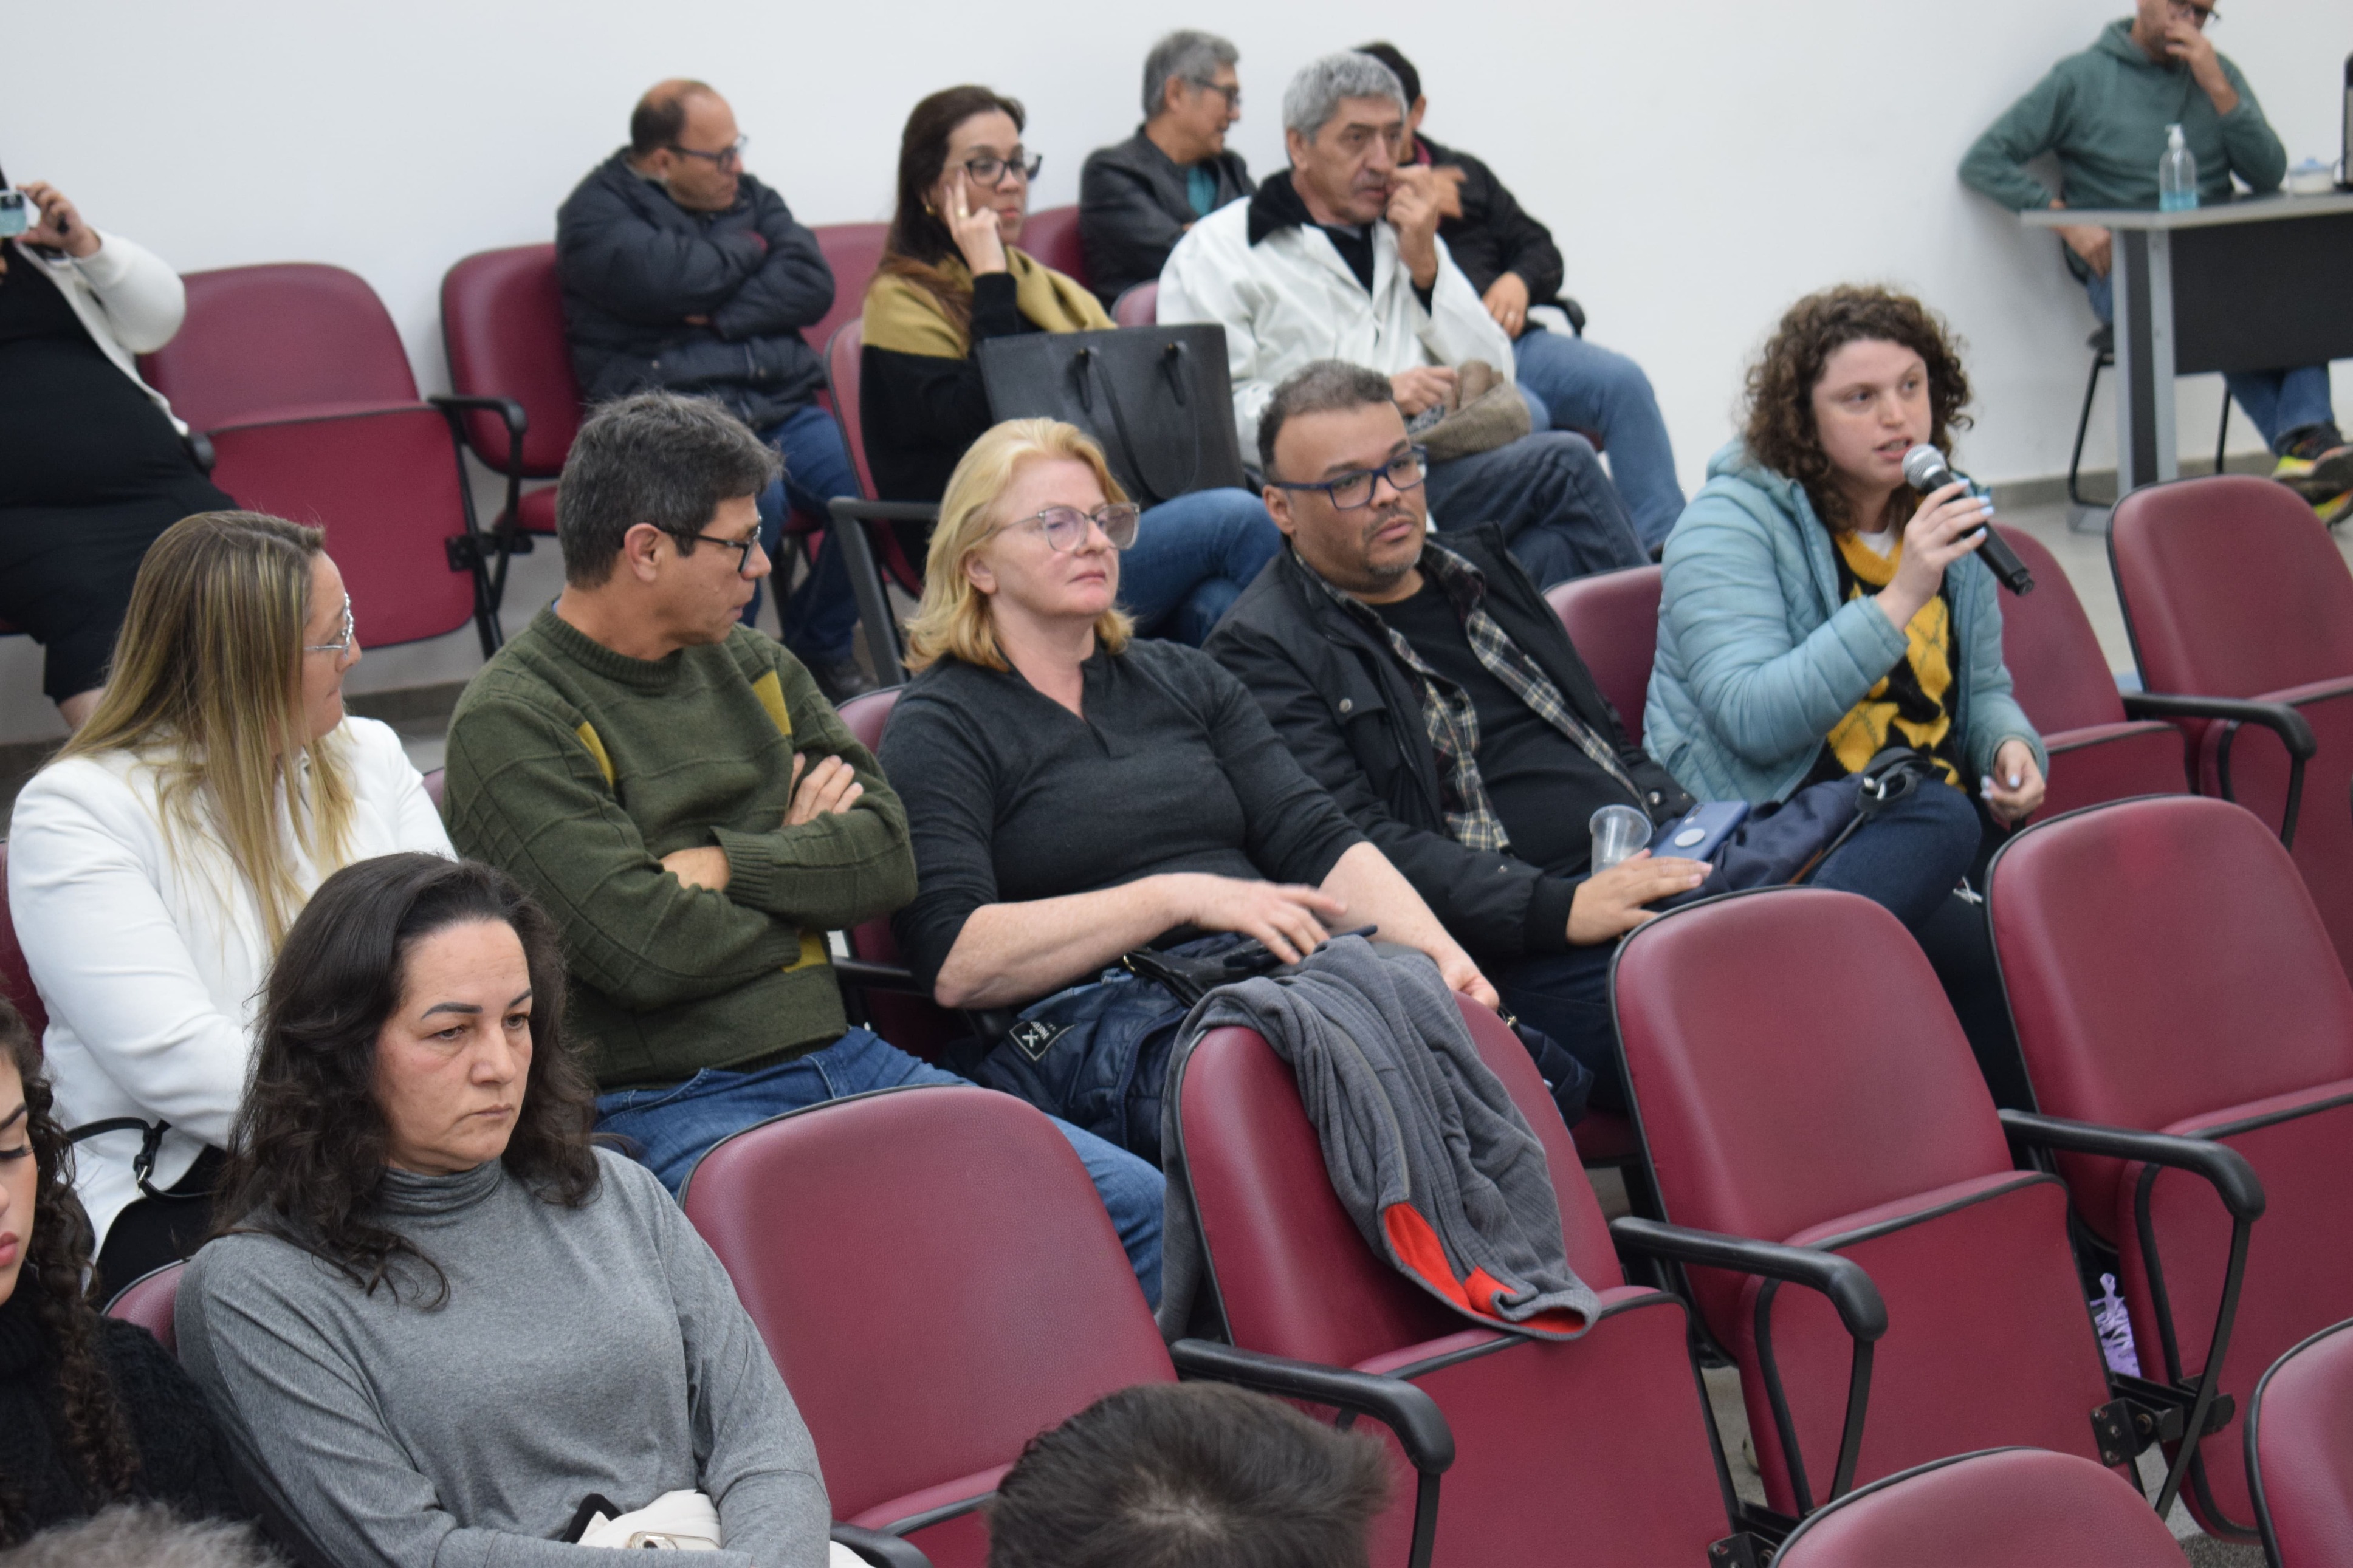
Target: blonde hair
pixel 953 621
pixel 206 690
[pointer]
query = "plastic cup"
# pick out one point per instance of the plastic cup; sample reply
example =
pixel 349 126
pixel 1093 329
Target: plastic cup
pixel 1618 832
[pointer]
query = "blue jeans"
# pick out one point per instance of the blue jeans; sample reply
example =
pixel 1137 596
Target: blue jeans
pixel 1192 559
pixel 1581 386
pixel 819 616
pixel 1906 859
pixel 672 1125
pixel 1559 513
pixel 2280 401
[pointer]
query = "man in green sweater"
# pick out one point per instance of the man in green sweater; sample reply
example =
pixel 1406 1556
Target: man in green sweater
pixel 2105 114
pixel 673 788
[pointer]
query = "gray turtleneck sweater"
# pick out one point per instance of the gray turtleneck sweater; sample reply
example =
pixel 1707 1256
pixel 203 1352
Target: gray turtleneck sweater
pixel 592 1350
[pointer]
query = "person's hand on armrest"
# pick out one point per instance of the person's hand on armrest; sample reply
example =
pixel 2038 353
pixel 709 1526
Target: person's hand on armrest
pixel 1610 903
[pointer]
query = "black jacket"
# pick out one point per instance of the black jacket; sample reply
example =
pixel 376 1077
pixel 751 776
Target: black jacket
pixel 1133 209
pixel 635 265
pixel 1351 713
pixel 1494 234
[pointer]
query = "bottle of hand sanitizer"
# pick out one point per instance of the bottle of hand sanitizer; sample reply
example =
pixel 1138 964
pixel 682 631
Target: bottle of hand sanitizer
pixel 2177 174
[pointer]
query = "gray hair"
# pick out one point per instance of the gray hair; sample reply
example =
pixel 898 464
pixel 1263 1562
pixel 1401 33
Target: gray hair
pixel 142 1535
pixel 1320 387
pixel 1315 94
pixel 654 458
pixel 1182 55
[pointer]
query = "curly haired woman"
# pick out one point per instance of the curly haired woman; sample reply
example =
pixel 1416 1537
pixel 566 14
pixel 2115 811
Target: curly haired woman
pixel 91 1410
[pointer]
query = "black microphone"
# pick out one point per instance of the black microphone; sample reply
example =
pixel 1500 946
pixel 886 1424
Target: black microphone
pixel 1925 470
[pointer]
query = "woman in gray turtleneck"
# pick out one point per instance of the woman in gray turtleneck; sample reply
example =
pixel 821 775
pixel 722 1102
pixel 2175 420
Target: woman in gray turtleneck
pixel 438 1321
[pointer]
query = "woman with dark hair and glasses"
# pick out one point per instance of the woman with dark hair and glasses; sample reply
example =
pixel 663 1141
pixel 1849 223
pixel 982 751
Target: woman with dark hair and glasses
pixel 951 279
pixel 439 1324
pixel 92 1411
pixel 1074 793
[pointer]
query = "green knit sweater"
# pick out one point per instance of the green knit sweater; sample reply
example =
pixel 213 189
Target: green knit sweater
pixel 2104 113
pixel 574 769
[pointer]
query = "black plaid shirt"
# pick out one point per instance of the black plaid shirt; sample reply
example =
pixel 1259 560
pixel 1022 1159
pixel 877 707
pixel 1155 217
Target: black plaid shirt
pixel 1448 715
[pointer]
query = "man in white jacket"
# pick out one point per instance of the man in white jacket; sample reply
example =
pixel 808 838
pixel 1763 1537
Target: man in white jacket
pixel 1338 258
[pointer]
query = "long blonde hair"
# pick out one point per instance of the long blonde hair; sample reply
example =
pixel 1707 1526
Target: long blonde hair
pixel 953 621
pixel 206 690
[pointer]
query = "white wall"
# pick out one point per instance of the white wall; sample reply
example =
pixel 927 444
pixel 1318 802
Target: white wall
pixel 1703 161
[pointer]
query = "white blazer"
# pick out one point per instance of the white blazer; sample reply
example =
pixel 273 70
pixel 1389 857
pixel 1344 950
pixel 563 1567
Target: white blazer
pixel 152 967
pixel 128 297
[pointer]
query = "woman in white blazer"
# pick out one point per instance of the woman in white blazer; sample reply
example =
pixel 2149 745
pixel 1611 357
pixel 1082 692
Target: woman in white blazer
pixel 93 465
pixel 154 866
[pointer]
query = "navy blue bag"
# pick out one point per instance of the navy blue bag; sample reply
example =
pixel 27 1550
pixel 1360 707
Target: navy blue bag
pixel 1782 844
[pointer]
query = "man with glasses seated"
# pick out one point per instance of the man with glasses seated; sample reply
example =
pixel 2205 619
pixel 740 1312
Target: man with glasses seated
pixel 674 790
pixel 682 272
pixel 1137 199
pixel 2105 113
pixel 1338 256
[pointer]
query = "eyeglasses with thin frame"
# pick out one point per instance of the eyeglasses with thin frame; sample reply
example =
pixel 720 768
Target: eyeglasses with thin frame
pixel 743 546
pixel 1353 491
pixel 1065 527
pixel 2204 16
pixel 337 648
pixel 989 169
pixel 730 154
pixel 1232 95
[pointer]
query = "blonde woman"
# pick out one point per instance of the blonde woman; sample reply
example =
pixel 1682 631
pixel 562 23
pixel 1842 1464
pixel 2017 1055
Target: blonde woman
pixel 156 863
pixel 1074 791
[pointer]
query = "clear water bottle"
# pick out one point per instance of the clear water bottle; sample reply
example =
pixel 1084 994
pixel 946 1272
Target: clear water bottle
pixel 2177 174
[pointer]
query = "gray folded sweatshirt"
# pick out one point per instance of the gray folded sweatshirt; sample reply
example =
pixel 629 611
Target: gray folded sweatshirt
pixel 599 1349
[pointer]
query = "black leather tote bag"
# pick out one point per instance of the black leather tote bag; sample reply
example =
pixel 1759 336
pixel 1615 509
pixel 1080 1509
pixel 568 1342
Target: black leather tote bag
pixel 1156 399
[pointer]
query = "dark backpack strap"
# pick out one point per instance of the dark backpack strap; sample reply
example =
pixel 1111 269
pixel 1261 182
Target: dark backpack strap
pixel 142 1163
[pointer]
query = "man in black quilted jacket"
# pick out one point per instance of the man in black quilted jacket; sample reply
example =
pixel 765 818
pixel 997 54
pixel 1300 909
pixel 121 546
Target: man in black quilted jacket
pixel 682 272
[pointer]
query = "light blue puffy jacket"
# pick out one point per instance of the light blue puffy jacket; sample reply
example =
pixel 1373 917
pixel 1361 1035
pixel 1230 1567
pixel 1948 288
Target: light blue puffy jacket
pixel 1758 659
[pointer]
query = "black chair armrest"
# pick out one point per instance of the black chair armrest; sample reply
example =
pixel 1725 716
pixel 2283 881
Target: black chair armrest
pixel 2233 1179
pixel 1849 1290
pixel 858 556
pixel 849 509
pixel 883 1551
pixel 1407 1410
pixel 881 976
pixel 2293 729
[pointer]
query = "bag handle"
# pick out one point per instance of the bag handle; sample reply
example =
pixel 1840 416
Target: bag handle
pixel 142 1163
pixel 1171 356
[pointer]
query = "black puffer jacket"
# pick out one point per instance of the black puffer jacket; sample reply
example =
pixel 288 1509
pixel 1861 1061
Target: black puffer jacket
pixel 1338 697
pixel 635 265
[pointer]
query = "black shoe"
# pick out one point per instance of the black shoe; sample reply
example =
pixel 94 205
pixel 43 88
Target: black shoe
pixel 839 678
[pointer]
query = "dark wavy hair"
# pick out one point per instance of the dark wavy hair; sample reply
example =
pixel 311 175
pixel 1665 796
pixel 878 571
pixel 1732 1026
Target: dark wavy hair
pixel 919 238
pixel 310 1143
pixel 1781 434
pixel 97 1442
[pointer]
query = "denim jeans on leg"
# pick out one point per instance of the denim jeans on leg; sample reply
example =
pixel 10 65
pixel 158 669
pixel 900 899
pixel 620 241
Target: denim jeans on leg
pixel 1909 858
pixel 2279 402
pixel 1566 995
pixel 671 1125
pixel 1560 515
pixel 1192 559
pixel 819 618
pixel 1584 386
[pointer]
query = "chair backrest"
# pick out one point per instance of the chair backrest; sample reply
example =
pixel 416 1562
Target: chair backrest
pixel 844 361
pixel 853 251
pixel 148 1301
pixel 935 1278
pixel 502 325
pixel 2005 1507
pixel 2299 1446
pixel 276 337
pixel 1052 237
pixel 1613 619
pixel 2230 586
pixel 436 782
pixel 15 978
pixel 1138 306
pixel 2056 668
pixel 914 1023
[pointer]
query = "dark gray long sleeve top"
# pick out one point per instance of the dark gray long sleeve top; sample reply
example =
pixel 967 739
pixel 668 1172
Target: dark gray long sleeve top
pixel 599 1349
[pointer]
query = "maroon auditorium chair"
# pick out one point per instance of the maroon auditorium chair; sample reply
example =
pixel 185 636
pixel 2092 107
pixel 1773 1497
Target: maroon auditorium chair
pixel 1597 1450
pixel 2167 970
pixel 2234 590
pixel 16 979
pixel 853 251
pixel 296 374
pixel 871 552
pixel 896 1009
pixel 503 328
pixel 1613 619
pixel 1799 1077
pixel 2005 1508
pixel 148 1301
pixel 941 1285
pixel 2300 1452
pixel 1052 237
pixel 1138 306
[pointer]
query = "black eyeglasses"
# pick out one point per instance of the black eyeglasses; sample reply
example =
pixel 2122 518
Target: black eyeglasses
pixel 1232 95
pixel 337 648
pixel 1065 527
pixel 989 169
pixel 744 547
pixel 1353 491
pixel 720 160
pixel 2202 16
